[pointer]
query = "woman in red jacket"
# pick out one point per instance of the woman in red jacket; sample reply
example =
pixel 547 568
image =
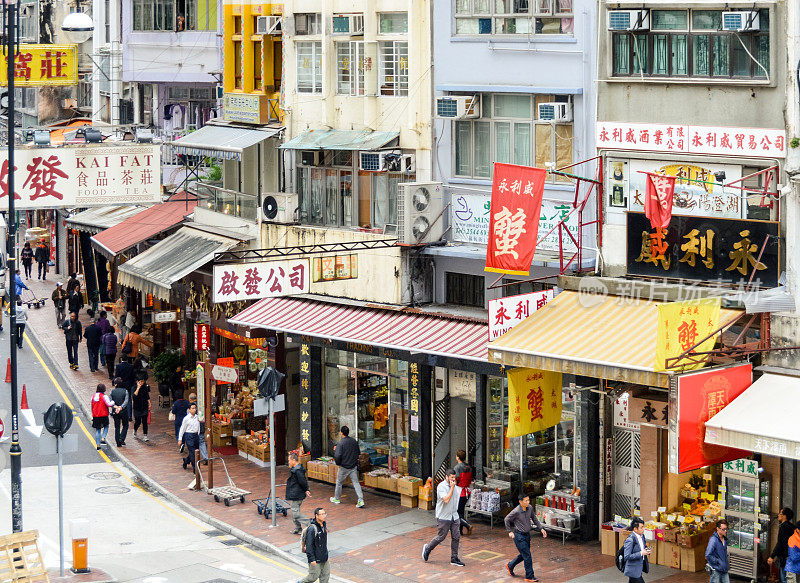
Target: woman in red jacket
pixel 463 481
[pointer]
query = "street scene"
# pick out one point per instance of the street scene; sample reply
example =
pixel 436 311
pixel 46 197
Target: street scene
pixel 377 291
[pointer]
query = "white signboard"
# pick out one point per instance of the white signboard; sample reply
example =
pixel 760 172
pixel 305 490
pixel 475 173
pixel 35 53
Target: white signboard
pixel 505 313
pixel 727 141
pixel 224 374
pixel 261 279
pixel 161 317
pixel 83 176
pixel 463 384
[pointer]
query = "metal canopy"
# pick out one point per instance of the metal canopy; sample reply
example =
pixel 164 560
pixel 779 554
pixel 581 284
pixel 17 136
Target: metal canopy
pixel 340 140
pixel 101 218
pixel 226 142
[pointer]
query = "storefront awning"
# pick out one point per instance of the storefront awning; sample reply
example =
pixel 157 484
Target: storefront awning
pixel 340 140
pixel 384 328
pixel 763 419
pixel 101 218
pixel 604 337
pixel 226 142
pixel 166 262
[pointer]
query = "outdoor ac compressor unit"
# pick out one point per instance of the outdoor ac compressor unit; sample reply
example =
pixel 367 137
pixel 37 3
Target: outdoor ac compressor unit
pixel 555 111
pixel 741 21
pixel 279 207
pixel 629 20
pixel 420 208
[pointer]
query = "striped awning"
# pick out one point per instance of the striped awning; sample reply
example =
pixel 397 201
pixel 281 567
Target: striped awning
pixel 417 333
pixel 604 337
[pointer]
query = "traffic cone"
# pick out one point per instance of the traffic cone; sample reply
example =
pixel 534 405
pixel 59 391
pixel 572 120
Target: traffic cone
pixel 24 401
pixel 8 370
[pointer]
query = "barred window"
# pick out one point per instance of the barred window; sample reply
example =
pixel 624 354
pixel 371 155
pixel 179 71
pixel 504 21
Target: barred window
pixel 309 67
pixel 393 68
pixel 510 17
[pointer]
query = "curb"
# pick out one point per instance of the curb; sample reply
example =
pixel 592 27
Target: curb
pixel 260 544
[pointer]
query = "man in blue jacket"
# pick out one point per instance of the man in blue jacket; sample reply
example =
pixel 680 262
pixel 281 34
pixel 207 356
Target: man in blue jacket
pixel 636 553
pixel 316 548
pixel 717 553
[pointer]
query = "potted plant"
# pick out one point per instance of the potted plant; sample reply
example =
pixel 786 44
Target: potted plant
pixel 163 366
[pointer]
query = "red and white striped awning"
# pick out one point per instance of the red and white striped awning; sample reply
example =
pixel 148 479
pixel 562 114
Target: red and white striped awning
pixel 424 333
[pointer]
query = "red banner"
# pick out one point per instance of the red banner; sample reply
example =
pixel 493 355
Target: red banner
pixel 202 333
pixel 702 395
pixel 514 218
pixel 658 199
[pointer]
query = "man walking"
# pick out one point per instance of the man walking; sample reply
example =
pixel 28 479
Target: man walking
pixel 346 456
pixel 124 370
pixel 20 320
pixel 717 553
pixel 315 546
pixel 635 553
pixel 296 490
pixel 75 300
pixel 447 494
pixel 93 335
pixel 120 397
pixel 518 524
pixel 59 298
pixel 73 333
pixel 781 550
pixel 42 257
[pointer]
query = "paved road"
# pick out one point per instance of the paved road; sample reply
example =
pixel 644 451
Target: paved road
pixel 136 536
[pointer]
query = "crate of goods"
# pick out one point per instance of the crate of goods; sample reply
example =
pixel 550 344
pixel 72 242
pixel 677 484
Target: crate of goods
pixel 261 452
pixel 370 480
pixel 608 541
pixel 409 486
pixel 241 443
pixel 675 556
pixel 408 501
pixel 221 428
pixel 664 553
pixel 333 470
pixel 693 559
pixel 217 441
pixel 386 483
pixel 425 504
pixel 311 470
pixel 425 492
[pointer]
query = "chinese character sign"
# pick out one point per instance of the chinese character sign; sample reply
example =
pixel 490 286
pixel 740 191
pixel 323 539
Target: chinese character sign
pixel 305 395
pixel 514 218
pixel 744 466
pixel 82 176
pixel 262 279
pixel 202 334
pixel 684 326
pixel 658 199
pixel 534 400
pixel 505 313
pixel 38 65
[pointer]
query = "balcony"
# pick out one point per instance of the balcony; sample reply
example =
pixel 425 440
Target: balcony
pixel 227 202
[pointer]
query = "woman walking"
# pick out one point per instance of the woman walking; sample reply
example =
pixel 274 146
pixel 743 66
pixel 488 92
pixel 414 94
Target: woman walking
pixel 109 340
pixel 101 406
pixel 141 407
pixel 463 481
pixel 190 434
pixel 26 256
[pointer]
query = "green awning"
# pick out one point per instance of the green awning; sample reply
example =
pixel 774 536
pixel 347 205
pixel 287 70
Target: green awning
pixel 341 140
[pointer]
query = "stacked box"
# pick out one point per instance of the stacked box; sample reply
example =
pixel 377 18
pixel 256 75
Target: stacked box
pixel 425 504
pixel 608 542
pixel 664 553
pixel 408 501
pixel 409 486
pixel 333 470
pixel 693 559
pixel 370 481
pixel 217 441
pixel 425 493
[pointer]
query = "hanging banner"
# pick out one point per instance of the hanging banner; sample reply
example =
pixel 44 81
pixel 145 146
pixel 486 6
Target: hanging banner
pixel 514 218
pixel 39 65
pixel 305 395
pixel 534 400
pixel 658 199
pixel 681 325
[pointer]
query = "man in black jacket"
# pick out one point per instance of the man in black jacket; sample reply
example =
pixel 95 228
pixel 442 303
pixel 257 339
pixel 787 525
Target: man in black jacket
pixel 346 457
pixel 781 550
pixel 126 372
pixel 296 490
pixel 93 333
pixel 75 300
pixel 120 397
pixel 73 334
pixel 317 549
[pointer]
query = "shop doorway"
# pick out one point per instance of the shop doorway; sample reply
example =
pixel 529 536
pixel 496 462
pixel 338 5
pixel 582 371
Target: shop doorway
pixel 442 458
pixel 627 457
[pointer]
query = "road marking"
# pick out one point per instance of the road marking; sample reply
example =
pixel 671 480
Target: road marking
pixel 267 559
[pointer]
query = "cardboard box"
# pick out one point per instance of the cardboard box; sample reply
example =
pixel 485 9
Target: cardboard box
pixel 425 504
pixel 675 556
pixel 664 553
pixel 608 542
pixel 653 552
pixel 622 537
pixel 425 493
pixel 385 483
pixel 241 443
pixel 408 501
pixel 333 470
pixel 217 441
pixel 371 481
pixel 408 487
pixel 261 452
pixel 693 559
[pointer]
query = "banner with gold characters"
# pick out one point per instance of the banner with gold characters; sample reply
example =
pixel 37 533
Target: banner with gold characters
pixel 681 325
pixel 534 400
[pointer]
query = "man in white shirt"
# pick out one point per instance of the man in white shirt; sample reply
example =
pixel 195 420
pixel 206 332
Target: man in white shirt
pixel 447 494
pixel 21 320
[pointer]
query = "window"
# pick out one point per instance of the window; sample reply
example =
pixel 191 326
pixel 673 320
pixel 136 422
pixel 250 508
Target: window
pixel 509 131
pixel 690 44
pixel 507 17
pixel 237 64
pixel 307 24
pixel 258 59
pixel 393 68
pixel 350 68
pixel 154 15
pixel 393 23
pixel 309 67
pixel 464 289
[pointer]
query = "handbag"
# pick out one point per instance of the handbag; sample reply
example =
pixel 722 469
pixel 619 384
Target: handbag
pixel 127 346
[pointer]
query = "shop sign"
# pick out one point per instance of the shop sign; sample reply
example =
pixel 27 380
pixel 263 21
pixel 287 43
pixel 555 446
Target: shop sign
pixel 505 313
pixel 251 342
pixel 225 362
pixel 648 411
pixel 698 248
pixel 462 384
pixel 335 268
pixel 200 389
pixel 696 397
pixel 39 65
pixel 53 241
pixel 162 317
pixel 677 138
pixel 621 418
pixel 202 335
pixel 261 279
pixel 414 395
pixel 305 395
pixel 534 400
pixel 224 374
pixel 82 176
pixel 246 108
pixel 744 466
pixel 681 326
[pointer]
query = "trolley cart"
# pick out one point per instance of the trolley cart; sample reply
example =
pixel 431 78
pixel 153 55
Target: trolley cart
pixel 226 493
pixel 29 298
pixel 264 505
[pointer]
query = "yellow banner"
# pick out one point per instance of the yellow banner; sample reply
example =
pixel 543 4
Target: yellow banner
pixel 534 400
pixel 681 325
pixel 38 65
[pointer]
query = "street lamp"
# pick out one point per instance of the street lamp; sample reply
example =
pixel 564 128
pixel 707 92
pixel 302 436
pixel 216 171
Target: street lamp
pixel 78 26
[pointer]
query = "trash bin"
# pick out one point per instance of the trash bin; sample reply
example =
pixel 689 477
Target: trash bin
pixel 79 533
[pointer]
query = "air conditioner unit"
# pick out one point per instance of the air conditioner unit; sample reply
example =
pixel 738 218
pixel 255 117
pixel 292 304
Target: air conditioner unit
pixel 740 21
pixel 420 207
pixel 628 20
pixel 279 207
pixel 268 25
pixel 372 161
pixel 555 111
pixel 311 158
pixel 301 24
pixel 348 24
pixel 458 107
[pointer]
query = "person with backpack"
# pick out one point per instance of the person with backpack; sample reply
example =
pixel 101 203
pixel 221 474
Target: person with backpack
pixel 346 454
pixel 109 340
pixel 59 298
pixel 120 397
pixel 130 345
pixel 26 256
pixel 518 524
pixel 296 490
pixel 717 554
pixel 101 406
pixel 632 557
pixel 314 543
pixel 125 371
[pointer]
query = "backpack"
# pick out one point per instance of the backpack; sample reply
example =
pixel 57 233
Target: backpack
pixel 619 559
pixel 127 346
pixel 303 536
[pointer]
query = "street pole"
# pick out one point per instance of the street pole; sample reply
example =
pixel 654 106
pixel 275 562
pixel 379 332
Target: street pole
pixel 10 12
pixel 60 505
pixel 272 463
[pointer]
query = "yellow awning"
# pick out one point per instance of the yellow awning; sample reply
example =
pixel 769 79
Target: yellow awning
pixel 604 337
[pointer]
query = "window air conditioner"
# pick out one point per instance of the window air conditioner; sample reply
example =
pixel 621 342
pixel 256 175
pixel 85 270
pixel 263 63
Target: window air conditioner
pixel 268 25
pixel 279 207
pixel 372 161
pixel 419 212
pixel 555 111
pixel 628 20
pixel 348 24
pixel 741 21
pixel 301 24
pixel 458 107
pixel 396 162
pixel 311 158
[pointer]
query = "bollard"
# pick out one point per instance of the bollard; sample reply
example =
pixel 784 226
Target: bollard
pixel 79 533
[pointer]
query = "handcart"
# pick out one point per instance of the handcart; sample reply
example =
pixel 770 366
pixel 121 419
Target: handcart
pixel 229 492
pixel 264 505
pixel 29 298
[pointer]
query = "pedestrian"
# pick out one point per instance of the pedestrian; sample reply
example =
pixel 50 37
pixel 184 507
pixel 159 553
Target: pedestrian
pixel 124 370
pixel 315 545
pixel 296 490
pixel 635 553
pixel 104 324
pixel 141 408
pixel 447 494
pixel 463 481
pixel 120 397
pixel 73 333
pixel 109 340
pixel 518 524
pixel 18 284
pixel 134 337
pixel 346 454
pixel 203 448
pixel 101 405
pixel 42 257
pixel 93 335
pixel 59 298
pixel 72 283
pixel 75 300
pixel 20 320
pixel 793 557
pixel 26 257
pixel 179 409
pixel 717 553
pixel 190 435
pixel 781 549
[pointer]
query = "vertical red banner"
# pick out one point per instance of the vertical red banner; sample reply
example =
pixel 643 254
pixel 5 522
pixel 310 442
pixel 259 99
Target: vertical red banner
pixel 53 238
pixel 514 218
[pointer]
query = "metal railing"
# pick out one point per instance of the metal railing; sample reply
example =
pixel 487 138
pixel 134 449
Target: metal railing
pixel 228 202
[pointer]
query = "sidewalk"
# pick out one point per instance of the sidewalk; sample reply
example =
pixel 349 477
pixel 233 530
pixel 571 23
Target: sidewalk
pixel 379 543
